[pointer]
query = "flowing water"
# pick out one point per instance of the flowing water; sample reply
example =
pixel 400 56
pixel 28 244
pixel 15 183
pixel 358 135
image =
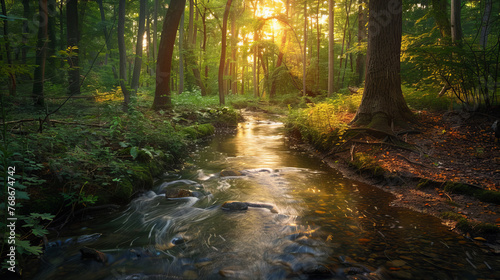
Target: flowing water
pixel 321 225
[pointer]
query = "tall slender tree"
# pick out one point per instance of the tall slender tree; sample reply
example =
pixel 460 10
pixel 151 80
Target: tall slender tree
pixel 12 76
pixel 222 62
pixel 162 98
pixel 331 52
pixel 456 22
pixel 73 38
pixel 181 56
pixel 41 54
pixel 123 53
pixel 139 47
pixel 383 103
pixel 304 55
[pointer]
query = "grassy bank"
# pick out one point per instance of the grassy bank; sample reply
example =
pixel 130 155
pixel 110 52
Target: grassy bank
pixel 431 162
pixel 89 152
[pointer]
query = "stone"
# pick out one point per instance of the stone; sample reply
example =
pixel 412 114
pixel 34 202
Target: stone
pixel 93 254
pixel 230 173
pixel 234 206
pixel 177 193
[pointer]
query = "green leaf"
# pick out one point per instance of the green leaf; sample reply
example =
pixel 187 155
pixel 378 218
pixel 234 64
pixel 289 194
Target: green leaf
pixel 134 152
pixel 22 195
pixel 25 246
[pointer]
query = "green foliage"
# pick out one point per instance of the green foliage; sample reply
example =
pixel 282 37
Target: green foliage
pixel 469 71
pixel 366 162
pixel 323 124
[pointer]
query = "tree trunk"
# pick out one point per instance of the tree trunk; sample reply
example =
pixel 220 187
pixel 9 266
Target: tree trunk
pixel 181 55
pixel 331 52
pixel 486 26
pixel 234 50
pixel 73 36
pixel 304 56
pixel 162 98
pixel 456 22
pixel 155 31
pixel 223 53
pixel 383 103
pixel 123 53
pixel 139 47
pixel 360 58
pixel 26 14
pixel 52 60
pixel 41 53
pixel 439 10
pixel 12 76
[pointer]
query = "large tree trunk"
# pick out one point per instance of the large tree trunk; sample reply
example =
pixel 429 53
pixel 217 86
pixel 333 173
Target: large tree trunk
pixel 73 36
pixel 331 52
pixel 223 53
pixel 41 53
pixel 123 53
pixel 383 103
pixel 163 67
pixel 138 47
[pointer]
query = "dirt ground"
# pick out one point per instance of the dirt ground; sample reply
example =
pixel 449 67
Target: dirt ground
pixel 450 147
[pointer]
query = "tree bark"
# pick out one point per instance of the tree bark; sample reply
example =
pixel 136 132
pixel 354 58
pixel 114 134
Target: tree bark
pixel 486 26
pixel 223 53
pixel 360 59
pixel 139 47
pixel 439 10
pixel 383 103
pixel 12 76
pixel 331 52
pixel 304 56
pixel 456 22
pixel 73 36
pixel 41 53
pixel 26 14
pixel 162 98
pixel 181 55
pixel 123 53
pixel 155 31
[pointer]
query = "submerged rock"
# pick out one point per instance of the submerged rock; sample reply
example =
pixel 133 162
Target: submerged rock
pixel 230 173
pixel 238 205
pixel 234 206
pixel 177 193
pixel 93 254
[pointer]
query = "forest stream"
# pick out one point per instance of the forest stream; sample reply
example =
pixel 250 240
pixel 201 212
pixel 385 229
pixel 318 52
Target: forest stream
pixel 302 220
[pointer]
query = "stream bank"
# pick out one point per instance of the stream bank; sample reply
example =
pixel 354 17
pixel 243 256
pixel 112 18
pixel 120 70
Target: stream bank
pixel 457 179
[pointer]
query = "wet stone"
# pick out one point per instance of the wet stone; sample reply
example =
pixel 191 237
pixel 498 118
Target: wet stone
pixel 234 206
pixel 230 173
pixel 93 254
pixel 396 263
pixel 177 193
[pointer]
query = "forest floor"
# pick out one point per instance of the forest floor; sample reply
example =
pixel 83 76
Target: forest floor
pixel 450 147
